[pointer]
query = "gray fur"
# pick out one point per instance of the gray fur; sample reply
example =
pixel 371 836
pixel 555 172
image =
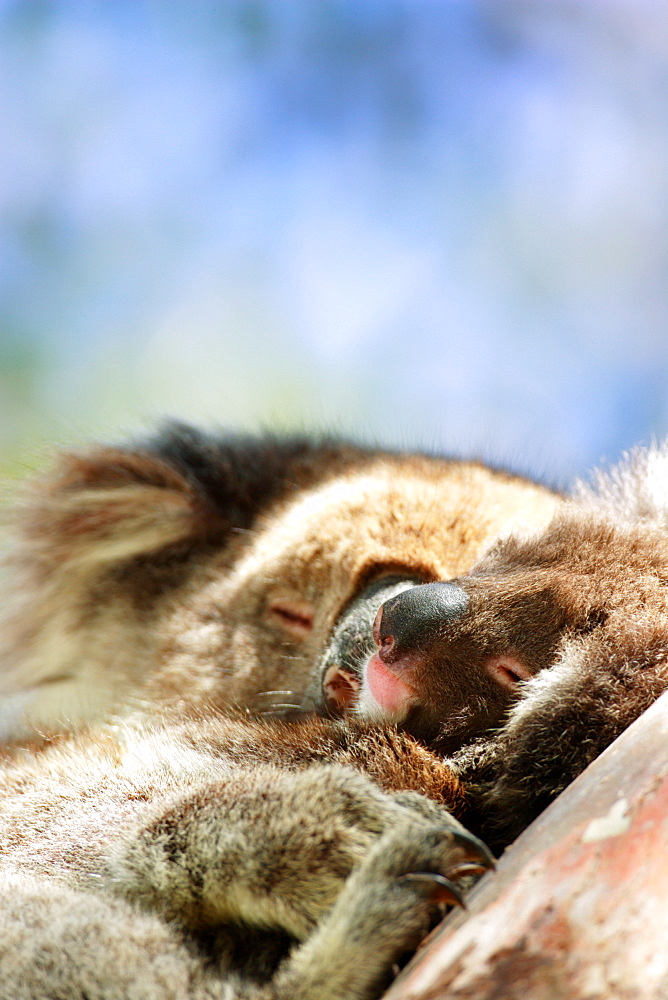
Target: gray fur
pixel 215 858
pixel 138 865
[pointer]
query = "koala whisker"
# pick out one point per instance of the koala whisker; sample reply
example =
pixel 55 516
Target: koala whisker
pixel 271 694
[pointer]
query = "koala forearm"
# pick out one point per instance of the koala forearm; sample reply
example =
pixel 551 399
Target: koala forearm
pixel 264 846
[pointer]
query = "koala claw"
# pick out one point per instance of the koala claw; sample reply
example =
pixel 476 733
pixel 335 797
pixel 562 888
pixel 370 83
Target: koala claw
pixel 436 888
pixel 470 868
pixel 474 859
pixel 476 856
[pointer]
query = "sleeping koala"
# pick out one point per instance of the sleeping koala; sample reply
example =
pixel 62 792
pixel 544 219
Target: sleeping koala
pixel 521 671
pixel 204 856
pixel 156 842
pixel 194 569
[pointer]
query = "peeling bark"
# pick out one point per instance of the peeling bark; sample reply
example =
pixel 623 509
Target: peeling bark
pixel 578 907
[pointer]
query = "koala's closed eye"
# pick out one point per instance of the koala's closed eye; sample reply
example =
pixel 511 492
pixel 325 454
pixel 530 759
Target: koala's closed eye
pixel 293 616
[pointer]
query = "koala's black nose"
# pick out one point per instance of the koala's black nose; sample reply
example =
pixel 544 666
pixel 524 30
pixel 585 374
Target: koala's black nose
pixel 411 619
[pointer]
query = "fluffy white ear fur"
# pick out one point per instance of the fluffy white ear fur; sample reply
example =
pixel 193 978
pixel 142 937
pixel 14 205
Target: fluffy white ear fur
pixel 633 490
pixel 92 511
pixel 636 489
pixel 548 687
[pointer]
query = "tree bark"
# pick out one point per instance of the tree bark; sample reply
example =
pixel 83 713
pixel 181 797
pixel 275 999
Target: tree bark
pixel 578 906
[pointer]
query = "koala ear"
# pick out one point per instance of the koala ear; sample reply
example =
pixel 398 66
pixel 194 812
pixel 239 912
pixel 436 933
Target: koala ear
pixel 108 505
pixel 98 542
pixel 111 504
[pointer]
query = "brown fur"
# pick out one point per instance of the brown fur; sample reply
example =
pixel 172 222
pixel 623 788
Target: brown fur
pixel 254 857
pixel 262 861
pixel 579 611
pixel 213 857
pixel 595 591
pixel 170 573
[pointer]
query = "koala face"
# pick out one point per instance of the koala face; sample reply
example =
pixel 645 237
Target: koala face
pixel 197 570
pixel 408 654
pixel 448 661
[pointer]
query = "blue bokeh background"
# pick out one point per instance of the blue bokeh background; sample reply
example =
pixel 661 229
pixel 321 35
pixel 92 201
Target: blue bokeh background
pixel 431 224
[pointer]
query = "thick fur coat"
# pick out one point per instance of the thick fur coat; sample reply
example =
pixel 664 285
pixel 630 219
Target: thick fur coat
pixel 214 859
pixel 192 569
pixel 155 857
pixel 199 855
pixel 524 669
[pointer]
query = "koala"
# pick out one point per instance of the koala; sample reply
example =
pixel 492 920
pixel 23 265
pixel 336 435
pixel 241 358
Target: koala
pixel 476 639
pixel 157 841
pixel 194 569
pixel 522 670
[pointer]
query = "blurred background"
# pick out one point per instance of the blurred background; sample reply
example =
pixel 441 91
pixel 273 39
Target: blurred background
pixel 427 224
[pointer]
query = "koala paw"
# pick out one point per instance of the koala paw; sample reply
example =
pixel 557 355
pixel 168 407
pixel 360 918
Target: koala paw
pixel 316 827
pixel 274 848
pixel 388 904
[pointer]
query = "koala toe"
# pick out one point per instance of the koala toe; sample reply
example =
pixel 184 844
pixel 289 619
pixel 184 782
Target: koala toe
pixel 389 903
pixel 437 889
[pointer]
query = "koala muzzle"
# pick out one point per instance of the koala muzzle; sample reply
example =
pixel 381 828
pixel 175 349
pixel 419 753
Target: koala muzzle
pixel 410 621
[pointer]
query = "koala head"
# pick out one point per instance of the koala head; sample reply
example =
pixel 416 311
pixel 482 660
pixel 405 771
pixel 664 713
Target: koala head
pixel 533 620
pixel 195 569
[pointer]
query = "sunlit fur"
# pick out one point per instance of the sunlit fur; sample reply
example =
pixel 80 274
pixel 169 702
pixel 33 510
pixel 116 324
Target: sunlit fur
pixel 155 848
pixel 143 577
